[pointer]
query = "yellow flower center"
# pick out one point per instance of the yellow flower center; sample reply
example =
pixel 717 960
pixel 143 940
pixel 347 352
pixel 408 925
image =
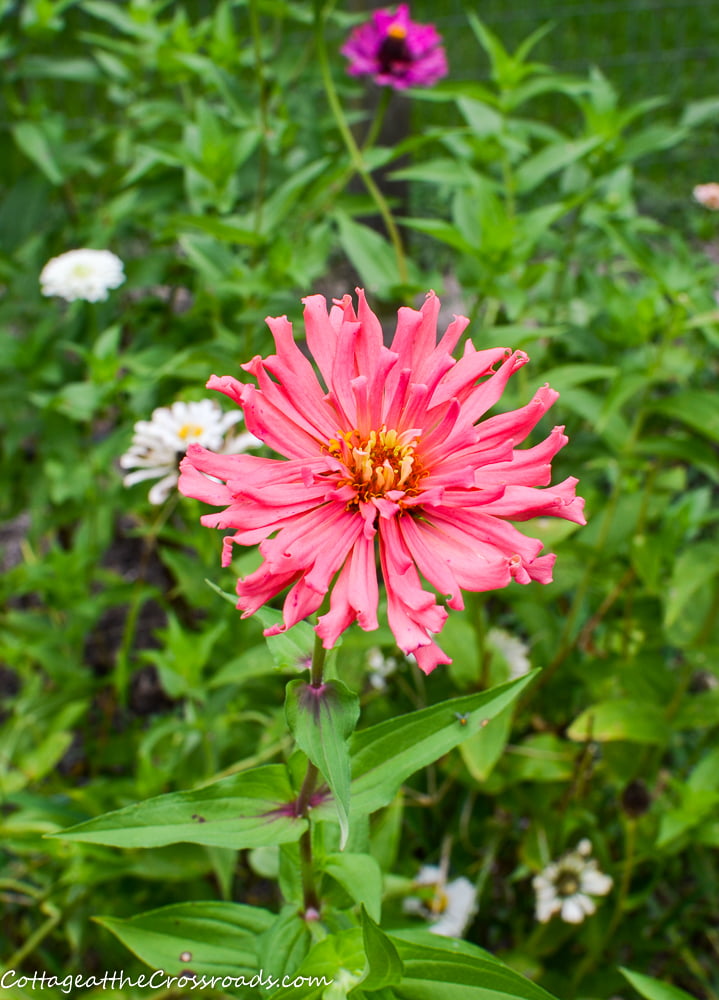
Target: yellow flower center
pixel 439 903
pixel 377 464
pixel 396 30
pixel 567 883
pixel 190 431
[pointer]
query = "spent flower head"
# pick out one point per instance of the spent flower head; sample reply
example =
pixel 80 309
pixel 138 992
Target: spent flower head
pixel 567 886
pixel 385 452
pixel 82 274
pixel 396 51
pixel 158 444
pixel 707 195
pixel 448 906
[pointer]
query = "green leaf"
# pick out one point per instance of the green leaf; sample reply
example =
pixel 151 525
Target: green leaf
pixel 443 231
pixel 621 719
pixel 653 989
pixel 245 810
pixel 699 796
pixel 438 968
pixel 694 567
pixel 224 229
pixel 360 876
pixel 55 68
pixel 211 938
pixel 566 376
pixel 284 945
pixel 384 966
pixel 371 255
pixel 385 755
pixel 483 749
pixel 321 719
pixel 34 140
pixel 551 159
pixel 331 969
pixel 443 170
pixel 694 408
pixel 541 757
pixel 292 648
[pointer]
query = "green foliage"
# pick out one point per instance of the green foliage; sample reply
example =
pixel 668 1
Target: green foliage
pixel 154 803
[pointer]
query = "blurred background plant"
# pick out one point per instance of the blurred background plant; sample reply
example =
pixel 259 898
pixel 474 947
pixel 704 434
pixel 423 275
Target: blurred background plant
pixel 221 151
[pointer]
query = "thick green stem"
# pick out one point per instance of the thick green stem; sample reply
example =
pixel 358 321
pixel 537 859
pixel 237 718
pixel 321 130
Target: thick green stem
pixel 355 152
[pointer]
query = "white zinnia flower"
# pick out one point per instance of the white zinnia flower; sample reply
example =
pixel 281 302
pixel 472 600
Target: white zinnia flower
pixel 512 650
pixel 707 195
pixel 159 444
pixel 82 274
pixel 452 906
pixel 567 885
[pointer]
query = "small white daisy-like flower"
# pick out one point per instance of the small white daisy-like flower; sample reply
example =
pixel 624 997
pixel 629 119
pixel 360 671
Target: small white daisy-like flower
pixel 566 886
pixel 159 444
pixel 512 650
pixel 380 668
pixel 82 274
pixel 707 195
pixel 449 907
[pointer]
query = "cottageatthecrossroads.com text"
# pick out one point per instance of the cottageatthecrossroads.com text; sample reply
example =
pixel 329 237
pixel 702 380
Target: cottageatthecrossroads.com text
pixel 157 980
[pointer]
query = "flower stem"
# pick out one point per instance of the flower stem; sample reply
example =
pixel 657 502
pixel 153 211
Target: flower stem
pixel 256 31
pixel 376 125
pixel 354 151
pixel 303 804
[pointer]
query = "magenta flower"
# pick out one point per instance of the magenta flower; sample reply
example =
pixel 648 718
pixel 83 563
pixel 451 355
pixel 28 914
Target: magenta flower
pixel 396 51
pixel 387 452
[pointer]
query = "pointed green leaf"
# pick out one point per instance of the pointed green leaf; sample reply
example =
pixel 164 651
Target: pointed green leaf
pixel 246 810
pixel 34 140
pixel 384 966
pixel 210 938
pixel 292 648
pixel 481 751
pixel 551 159
pixel 693 568
pixel 385 755
pixel 331 969
pixel 438 968
pixel 694 408
pixel 653 989
pixel 360 876
pixel 321 719
pixel 621 719
pixel 371 255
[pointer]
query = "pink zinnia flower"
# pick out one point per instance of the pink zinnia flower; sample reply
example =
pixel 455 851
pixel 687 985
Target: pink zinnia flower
pixel 385 453
pixel 396 51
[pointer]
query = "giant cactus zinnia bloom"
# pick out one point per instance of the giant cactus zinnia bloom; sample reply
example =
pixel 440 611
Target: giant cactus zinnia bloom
pixel 386 451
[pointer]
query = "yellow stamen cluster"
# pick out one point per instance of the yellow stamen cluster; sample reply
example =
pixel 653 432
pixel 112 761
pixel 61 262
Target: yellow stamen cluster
pixel 190 431
pixel 396 31
pixel 567 883
pixel 383 461
pixel 439 903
